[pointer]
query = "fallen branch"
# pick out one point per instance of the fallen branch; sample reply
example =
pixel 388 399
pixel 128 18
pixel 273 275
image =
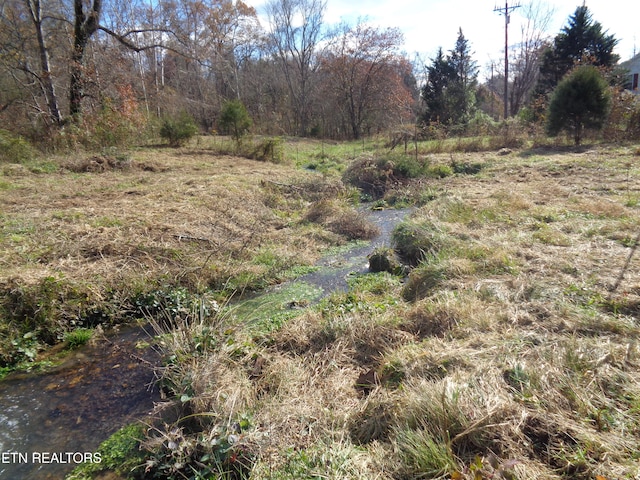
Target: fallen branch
pixel 620 278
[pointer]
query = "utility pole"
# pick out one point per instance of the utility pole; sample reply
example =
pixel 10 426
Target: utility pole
pixel 506 12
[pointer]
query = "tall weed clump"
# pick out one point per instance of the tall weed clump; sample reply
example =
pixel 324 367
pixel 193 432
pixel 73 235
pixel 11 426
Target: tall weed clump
pixel 374 175
pixel 342 219
pixel 416 240
pixel 214 435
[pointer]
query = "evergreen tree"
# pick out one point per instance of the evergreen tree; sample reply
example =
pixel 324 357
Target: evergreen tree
pixel 235 119
pixel 582 40
pixel 580 101
pixel 440 74
pixel 449 93
pixel 462 97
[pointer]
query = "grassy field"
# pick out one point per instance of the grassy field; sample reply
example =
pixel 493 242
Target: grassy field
pixel 508 352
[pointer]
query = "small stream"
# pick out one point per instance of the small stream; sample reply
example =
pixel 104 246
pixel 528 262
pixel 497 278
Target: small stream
pixel 109 384
pixel 335 269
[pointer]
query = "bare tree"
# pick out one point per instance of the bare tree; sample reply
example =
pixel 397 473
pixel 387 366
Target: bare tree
pixel 46 79
pixel 296 28
pixel 365 76
pixel 26 40
pixel 527 53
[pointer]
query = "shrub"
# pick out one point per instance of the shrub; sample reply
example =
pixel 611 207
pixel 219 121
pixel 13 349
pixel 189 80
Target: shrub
pixel 624 119
pixel 111 127
pixel 235 119
pixel 14 149
pixel 178 131
pixel 270 150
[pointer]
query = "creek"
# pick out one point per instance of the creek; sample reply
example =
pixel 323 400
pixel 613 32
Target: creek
pixel 110 383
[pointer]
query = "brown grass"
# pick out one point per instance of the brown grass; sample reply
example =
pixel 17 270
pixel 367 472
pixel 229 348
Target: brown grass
pixel 518 362
pixel 110 230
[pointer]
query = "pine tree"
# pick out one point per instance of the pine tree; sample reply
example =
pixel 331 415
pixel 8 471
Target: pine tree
pixel 462 94
pixel 235 119
pixel 581 41
pixel 449 94
pixel 580 101
pixel 434 94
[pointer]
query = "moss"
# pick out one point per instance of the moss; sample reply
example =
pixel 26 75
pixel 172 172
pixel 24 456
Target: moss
pixel 119 453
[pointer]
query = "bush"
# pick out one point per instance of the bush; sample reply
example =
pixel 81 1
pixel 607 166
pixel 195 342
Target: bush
pixel 270 150
pixel 14 149
pixel 111 127
pixel 624 119
pixel 178 130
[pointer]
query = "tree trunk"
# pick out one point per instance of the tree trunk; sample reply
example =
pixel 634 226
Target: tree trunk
pixel 46 79
pixel 85 25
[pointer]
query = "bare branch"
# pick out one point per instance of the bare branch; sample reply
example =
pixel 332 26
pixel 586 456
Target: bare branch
pixel 122 38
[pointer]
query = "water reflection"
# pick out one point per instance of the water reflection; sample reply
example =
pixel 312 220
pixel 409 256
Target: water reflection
pixel 97 391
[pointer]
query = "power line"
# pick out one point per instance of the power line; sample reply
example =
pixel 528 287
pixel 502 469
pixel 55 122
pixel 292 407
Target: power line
pixel 506 11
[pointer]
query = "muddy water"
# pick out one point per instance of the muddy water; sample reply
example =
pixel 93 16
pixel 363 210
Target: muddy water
pixel 74 408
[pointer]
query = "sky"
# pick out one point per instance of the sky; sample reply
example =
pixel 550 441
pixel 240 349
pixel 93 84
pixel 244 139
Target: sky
pixel 430 24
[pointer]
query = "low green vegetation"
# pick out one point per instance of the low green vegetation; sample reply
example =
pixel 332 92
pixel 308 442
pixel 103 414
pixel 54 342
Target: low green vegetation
pixel 78 337
pixel 14 149
pixel 120 454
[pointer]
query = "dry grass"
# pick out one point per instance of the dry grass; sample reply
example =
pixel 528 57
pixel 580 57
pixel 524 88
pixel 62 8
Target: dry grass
pixel 519 361
pixel 93 234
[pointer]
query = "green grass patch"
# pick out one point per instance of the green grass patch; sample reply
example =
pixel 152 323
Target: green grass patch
pixel 120 453
pixel 78 337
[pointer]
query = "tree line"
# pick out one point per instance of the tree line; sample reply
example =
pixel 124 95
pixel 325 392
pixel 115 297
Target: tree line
pixel 81 63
